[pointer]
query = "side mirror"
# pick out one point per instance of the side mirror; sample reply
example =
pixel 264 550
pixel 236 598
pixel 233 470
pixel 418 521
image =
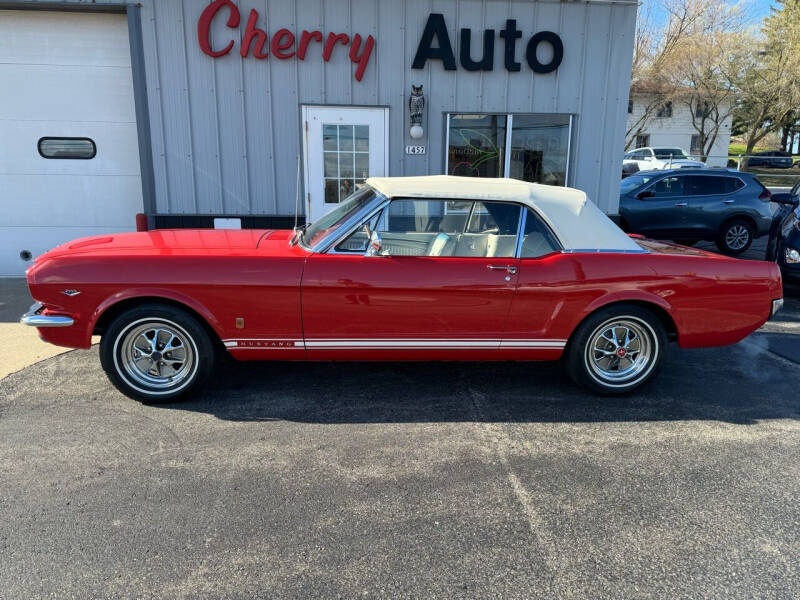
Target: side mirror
pixel 374 245
pixel 645 194
pixel 784 198
pixel 648 158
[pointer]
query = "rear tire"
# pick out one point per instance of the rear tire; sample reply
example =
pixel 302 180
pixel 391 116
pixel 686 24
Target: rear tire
pixel 157 353
pixel 616 350
pixel 735 237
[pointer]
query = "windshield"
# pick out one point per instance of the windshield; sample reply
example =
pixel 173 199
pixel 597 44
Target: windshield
pixel 665 153
pixel 634 182
pixel 324 225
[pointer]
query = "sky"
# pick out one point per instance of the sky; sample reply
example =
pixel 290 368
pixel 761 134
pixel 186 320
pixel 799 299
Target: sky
pixel 755 10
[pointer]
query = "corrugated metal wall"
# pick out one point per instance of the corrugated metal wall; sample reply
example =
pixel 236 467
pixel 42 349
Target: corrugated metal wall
pixel 226 132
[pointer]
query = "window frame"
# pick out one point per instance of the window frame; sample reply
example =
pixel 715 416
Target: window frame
pixel 649 184
pixel 721 176
pixel 521 221
pixel 664 110
pixel 65 138
pixel 507 142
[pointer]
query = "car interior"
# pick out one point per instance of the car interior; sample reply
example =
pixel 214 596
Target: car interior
pixel 453 228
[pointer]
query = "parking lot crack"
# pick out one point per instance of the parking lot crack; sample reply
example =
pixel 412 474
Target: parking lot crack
pixel 499 441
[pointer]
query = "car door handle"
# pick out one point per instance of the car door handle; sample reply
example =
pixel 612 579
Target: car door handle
pixel 727 201
pixel 680 204
pixel 509 268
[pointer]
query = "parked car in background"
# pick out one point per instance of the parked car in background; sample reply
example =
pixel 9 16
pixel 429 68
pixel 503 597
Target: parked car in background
pixel 774 159
pixel 629 169
pixel 784 243
pixel 649 159
pixel 729 207
pixel 408 268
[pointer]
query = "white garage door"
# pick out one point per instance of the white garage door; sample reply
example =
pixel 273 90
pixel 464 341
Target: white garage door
pixel 64 75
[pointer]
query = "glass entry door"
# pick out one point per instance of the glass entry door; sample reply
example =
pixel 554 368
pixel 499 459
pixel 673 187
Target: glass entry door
pixel 343 146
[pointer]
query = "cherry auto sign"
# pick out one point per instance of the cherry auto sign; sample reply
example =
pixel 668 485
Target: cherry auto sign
pixel 434 43
pixel 255 41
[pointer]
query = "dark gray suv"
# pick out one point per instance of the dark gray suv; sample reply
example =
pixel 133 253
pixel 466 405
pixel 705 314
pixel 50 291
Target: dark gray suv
pixel 729 207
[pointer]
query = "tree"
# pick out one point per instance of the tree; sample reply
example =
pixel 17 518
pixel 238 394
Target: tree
pixel 768 77
pixel 682 62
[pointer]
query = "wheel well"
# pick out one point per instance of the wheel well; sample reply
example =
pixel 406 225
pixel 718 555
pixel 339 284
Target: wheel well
pixel 747 218
pixel 113 311
pixel 659 312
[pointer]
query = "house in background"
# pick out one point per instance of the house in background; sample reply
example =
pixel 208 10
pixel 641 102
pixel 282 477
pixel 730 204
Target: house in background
pixel 668 117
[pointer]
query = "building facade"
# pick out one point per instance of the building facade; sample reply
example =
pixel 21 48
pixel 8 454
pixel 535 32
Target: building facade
pixel 674 124
pixel 253 113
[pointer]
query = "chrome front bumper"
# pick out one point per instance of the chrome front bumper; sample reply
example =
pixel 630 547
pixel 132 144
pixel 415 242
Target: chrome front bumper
pixel 34 319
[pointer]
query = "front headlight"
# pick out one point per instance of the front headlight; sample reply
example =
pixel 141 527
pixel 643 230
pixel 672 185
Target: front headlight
pixel 791 256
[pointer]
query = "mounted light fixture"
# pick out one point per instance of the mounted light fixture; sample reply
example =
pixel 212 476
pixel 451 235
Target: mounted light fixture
pixel 416 106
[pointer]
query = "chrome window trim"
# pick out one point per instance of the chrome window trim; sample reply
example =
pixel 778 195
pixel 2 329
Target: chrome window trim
pixel 362 217
pixel 679 174
pixel 523 218
pixel 332 248
pixel 326 242
pixel 560 248
pixel 603 251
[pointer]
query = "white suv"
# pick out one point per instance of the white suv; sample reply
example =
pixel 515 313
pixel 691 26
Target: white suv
pixel 648 159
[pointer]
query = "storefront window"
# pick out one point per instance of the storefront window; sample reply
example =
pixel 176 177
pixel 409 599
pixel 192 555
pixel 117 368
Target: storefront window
pixel 536 150
pixel 539 146
pixel 476 145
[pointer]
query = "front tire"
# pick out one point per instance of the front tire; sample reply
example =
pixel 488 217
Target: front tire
pixel 735 237
pixel 157 353
pixel 616 350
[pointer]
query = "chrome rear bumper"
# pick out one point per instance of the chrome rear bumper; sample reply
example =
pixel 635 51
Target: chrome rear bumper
pixel 34 319
pixel 776 306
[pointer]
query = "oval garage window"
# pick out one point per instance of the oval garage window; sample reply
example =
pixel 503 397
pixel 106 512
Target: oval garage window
pixel 67 147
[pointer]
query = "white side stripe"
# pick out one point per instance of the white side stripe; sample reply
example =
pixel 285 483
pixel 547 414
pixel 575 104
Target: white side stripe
pixel 392 343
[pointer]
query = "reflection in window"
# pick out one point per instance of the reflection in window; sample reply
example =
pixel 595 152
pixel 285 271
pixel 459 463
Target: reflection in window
pixel 538 152
pixel 539 147
pixel 668 187
pixel 63 147
pixel 476 145
pixel 537 239
pixel 431 228
pixel 346 159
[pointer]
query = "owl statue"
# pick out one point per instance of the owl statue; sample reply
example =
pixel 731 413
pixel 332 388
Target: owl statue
pixel 416 104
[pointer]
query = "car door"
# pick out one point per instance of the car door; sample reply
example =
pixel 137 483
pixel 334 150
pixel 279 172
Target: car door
pixel 441 285
pixel 546 277
pixel 659 209
pixel 711 200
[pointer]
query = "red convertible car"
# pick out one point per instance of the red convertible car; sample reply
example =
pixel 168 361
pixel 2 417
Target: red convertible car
pixel 416 268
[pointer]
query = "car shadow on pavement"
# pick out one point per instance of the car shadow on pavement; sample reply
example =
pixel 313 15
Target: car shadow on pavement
pixel 740 385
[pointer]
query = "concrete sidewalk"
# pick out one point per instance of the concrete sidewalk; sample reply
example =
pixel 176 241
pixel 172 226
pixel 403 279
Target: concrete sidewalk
pixel 20 346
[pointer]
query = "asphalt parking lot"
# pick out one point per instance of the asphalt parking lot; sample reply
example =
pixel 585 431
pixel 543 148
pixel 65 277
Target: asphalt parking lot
pixel 408 480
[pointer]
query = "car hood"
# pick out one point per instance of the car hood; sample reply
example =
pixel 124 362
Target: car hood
pixel 178 241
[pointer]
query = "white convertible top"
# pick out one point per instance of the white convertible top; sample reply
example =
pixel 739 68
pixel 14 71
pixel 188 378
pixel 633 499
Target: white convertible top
pixel 577 222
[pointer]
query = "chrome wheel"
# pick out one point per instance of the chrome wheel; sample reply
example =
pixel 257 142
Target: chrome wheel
pixel 737 237
pixel 621 351
pixel 157 354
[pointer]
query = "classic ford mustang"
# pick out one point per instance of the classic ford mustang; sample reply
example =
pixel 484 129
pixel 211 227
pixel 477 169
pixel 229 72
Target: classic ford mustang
pixel 415 268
